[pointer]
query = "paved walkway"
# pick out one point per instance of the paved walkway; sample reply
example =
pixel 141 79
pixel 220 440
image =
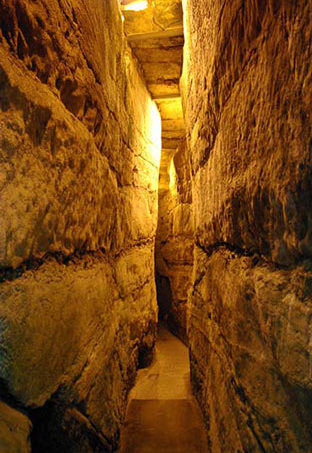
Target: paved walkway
pixel 162 415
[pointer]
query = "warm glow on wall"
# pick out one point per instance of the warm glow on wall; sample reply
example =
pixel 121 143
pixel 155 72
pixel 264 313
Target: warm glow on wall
pixel 154 130
pixel 138 5
pixel 172 176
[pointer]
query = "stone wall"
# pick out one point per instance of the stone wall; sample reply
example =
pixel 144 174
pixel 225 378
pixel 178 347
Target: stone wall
pixel 78 178
pixel 247 89
pixel 174 240
pixel 15 429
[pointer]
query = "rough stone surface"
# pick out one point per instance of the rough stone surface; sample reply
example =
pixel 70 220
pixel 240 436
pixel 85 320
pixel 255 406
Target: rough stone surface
pixel 160 56
pixel 15 430
pixel 76 330
pixel 161 61
pixel 79 149
pixel 174 241
pixel 247 85
pixel 250 339
pixel 61 125
pixel 159 15
pixel 250 69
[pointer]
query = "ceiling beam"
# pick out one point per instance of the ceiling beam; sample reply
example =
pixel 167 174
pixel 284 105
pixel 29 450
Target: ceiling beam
pixel 170 33
pixel 166 97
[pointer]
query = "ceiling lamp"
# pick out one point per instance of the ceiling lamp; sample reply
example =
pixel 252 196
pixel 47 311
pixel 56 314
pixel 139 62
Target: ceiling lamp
pixel 134 5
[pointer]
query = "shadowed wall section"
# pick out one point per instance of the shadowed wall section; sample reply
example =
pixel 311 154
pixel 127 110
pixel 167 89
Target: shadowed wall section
pixel 247 92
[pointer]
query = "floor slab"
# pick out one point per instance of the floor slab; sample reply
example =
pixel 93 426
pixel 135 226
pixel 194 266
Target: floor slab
pixel 162 414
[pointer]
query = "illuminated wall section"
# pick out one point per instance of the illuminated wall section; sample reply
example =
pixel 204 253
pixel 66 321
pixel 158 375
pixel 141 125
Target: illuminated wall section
pixel 80 141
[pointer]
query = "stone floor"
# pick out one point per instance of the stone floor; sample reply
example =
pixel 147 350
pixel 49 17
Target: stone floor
pixel 162 415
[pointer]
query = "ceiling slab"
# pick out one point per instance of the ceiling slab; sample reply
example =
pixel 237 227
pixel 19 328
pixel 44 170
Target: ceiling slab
pixel 155 35
pixel 162 34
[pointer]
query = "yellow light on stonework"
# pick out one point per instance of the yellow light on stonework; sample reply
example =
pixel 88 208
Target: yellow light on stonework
pixel 153 125
pixel 172 176
pixel 138 5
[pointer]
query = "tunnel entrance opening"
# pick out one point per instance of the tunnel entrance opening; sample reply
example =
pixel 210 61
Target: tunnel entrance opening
pixel 164 297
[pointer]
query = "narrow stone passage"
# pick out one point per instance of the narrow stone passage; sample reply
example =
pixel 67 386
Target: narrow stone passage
pixel 162 414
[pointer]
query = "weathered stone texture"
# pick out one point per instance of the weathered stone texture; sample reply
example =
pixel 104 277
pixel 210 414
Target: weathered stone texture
pixel 250 338
pixel 247 86
pixel 158 16
pixel 14 430
pixel 80 101
pixel 79 150
pixel 248 105
pixel 160 54
pixel 174 240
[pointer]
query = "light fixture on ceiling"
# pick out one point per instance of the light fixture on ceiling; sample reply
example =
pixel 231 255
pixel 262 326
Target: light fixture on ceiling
pixel 134 5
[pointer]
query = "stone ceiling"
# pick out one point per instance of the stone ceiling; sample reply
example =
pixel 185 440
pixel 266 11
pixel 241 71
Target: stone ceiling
pixel 155 35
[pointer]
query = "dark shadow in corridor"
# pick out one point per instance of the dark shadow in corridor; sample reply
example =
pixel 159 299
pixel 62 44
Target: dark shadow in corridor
pixel 164 296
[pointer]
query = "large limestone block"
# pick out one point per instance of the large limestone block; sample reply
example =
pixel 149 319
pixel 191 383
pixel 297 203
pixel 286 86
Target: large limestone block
pixel 250 341
pixel 59 185
pixel 77 124
pixel 75 331
pixel 247 104
pixel 15 430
